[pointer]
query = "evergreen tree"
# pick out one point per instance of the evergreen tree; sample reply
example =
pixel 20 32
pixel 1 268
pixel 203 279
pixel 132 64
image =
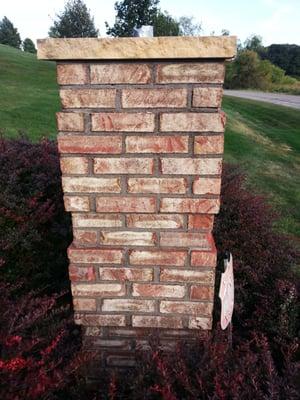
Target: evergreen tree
pixel 29 46
pixel 165 25
pixel 75 21
pixel 9 35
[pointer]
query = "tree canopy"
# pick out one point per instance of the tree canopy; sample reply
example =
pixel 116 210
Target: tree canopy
pixel 9 35
pixel 29 46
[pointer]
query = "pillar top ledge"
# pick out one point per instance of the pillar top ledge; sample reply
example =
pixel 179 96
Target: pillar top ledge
pixel 138 48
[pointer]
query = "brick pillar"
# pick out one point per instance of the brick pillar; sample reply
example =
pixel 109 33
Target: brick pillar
pixel 141 146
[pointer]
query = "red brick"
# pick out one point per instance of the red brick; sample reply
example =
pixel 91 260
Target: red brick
pixel 143 321
pixel 81 273
pixel 95 256
pixel 207 96
pixel 188 307
pixel 123 165
pixel 128 305
pixel 70 74
pixel 201 72
pixel 84 304
pixel 95 220
pixel 188 205
pixel 99 320
pixel 207 186
pixel 126 204
pixel 90 144
pixel 128 238
pixel 157 185
pixel 185 275
pixel 202 293
pixel 70 122
pixel 90 185
pixel 88 98
pixel 125 274
pixel 157 257
pixel 154 98
pixel 121 361
pixel 200 323
pixel 77 203
pixel 201 221
pixel 191 122
pixel 123 122
pixel 154 221
pixel 184 239
pixel 74 165
pixel 209 144
pixel 191 166
pixel 84 236
pixel 120 73
pixel 204 258
pixel 156 290
pixel 98 289
pixel 157 144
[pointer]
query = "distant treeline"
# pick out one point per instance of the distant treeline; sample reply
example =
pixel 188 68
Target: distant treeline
pixel 285 56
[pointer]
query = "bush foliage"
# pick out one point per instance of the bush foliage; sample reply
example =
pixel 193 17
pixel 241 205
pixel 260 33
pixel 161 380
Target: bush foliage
pixel 40 355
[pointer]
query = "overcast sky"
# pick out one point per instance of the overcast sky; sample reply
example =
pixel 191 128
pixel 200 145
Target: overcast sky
pixel 277 21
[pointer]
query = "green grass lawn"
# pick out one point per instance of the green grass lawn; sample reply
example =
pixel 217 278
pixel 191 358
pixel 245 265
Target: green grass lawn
pixel 263 138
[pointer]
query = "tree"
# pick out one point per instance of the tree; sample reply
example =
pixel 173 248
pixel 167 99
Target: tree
pixel 9 35
pixel 75 21
pixel 165 25
pixel 188 27
pixel 254 43
pixel 131 13
pixel 29 46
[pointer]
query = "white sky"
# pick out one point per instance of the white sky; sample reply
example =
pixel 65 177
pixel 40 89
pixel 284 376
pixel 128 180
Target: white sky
pixel 277 21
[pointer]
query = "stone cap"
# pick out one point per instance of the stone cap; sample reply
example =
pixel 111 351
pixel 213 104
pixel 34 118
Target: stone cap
pixel 179 47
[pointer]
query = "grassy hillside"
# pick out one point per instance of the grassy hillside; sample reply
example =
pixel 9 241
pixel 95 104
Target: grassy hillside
pixel 262 138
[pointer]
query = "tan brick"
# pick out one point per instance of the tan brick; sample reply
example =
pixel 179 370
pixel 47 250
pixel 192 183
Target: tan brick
pixel 189 166
pixel 99 320
pixel 124 305
pixel 207 96
pixel 128 238
pixel 201 72
pixel 98 289
pixel 88 98
pixel 120 73
pixel 187 307
pixel 126 204
pixel 74 165
pixel 81 273
pixel 157 257
pixel 95 220
pixel 95 256
pixel 188 205
pixel 209 144
pixel 154 221
pixel 70 121
pixel 191 122
pixel 184 239
pixel 90 144
pixel 156 290
pixel 84 304
pixel 200 323
pixel 157 185
pixel 201 221
pixel 92 331
pixel 123 165
pixel 72 74
pixel 154 98
pixel 207 186
pixel 204 258
pixel 157 144
pixel 91 185
pixel 84 236
pixel 143 321
pixel 202 293
pixel 125 274
pixel 185 275
pixel 123 122
pixel 77 203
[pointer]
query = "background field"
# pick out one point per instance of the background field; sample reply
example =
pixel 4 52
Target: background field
pixel 263 139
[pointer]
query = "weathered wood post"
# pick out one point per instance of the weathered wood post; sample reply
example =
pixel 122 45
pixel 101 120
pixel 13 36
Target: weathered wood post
pixel 141 146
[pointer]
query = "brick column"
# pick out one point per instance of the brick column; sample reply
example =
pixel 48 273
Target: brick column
pixel 141 146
